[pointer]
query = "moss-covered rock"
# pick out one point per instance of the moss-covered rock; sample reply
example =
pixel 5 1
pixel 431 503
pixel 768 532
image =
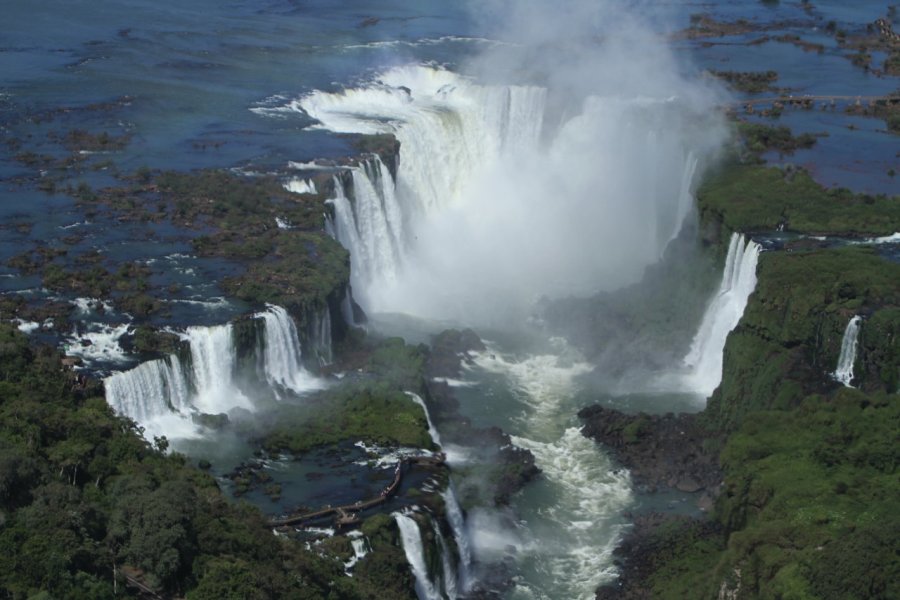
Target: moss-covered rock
pixel 375 413
pixel 152 340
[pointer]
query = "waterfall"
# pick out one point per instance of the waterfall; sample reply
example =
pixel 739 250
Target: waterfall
pixel 460 532
pixel 213 360
pixel 844 371
pixel 448 577
pixel 301 186
pixel 480 171
pixel 704 360
pixel 411 538
pixel 347 309
pixel 162 394
pixel 369 222
pixel 685 196
pixel 280 350
pixel 361 548
pixel 319 335
pixel 150 390
pixel 432 430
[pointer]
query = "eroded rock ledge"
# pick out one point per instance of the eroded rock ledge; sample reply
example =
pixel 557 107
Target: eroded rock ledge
pixel 661 451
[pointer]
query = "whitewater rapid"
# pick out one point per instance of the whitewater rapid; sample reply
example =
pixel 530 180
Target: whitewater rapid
pixel 569 520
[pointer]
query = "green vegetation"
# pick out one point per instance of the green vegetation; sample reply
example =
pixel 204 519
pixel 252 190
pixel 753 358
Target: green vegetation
pixel 385 145
pixel 244 205
pixel 760 138
pixel 887 109
pixel 375 413
pixel 398 363
pixel 813 499
pixel 789 338
pixel 85 501
pixel 80 140
pixel 753 198
pixel 304 270
pixel 750 82
pixel 810 501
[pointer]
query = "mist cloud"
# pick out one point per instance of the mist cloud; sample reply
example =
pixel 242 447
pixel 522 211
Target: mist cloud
pixel 562 163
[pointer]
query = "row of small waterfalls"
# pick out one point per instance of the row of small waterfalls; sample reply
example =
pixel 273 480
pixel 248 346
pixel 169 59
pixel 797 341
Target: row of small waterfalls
pixel 218 371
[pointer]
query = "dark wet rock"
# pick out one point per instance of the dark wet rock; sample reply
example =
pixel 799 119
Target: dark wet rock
pixel 153 340
pixel 211 421
pixel 671 451
pixel 450 349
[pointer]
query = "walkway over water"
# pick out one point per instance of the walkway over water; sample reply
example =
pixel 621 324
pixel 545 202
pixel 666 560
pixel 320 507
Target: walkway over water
pixel 348 514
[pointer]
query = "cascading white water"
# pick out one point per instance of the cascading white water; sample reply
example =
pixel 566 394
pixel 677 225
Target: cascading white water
pixel 480 192
pixel 460 532
pixel 704 360
pixel 162 394
pixel 432 430
pixel 347 309
pixel 369 223
pixel 361 548
pixel 565 550
pixel 301 186
pixel 844 371
pixel 321 338
pixel 454 517
pixel 212 360
pixel 150 390
pixel 280 350
pixel 411 538
pixel 448 575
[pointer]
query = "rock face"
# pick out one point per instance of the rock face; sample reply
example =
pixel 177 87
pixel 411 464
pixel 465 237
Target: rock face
pixel 509 467
pixel 661 451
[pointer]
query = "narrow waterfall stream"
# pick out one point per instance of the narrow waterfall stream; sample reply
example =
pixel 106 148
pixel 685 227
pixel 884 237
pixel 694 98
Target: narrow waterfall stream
pixel 704 361
pixel 844 370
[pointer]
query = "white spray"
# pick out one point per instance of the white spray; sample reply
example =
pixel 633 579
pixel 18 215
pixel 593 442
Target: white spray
pixel 415 555
pixel 704 360
pixel 844 371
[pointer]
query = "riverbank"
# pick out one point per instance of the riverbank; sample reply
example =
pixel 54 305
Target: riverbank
pixel 795 463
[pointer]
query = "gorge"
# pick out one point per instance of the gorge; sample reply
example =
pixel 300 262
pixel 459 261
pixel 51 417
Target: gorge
pixel 449 302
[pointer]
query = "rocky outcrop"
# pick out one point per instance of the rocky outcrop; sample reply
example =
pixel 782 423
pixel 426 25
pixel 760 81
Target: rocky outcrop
pixel 661 451
pixel 508 467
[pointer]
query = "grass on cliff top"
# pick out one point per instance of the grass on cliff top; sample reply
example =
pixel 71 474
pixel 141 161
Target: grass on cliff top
pixel 373 412
pixel 795 288
pixel 752 198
